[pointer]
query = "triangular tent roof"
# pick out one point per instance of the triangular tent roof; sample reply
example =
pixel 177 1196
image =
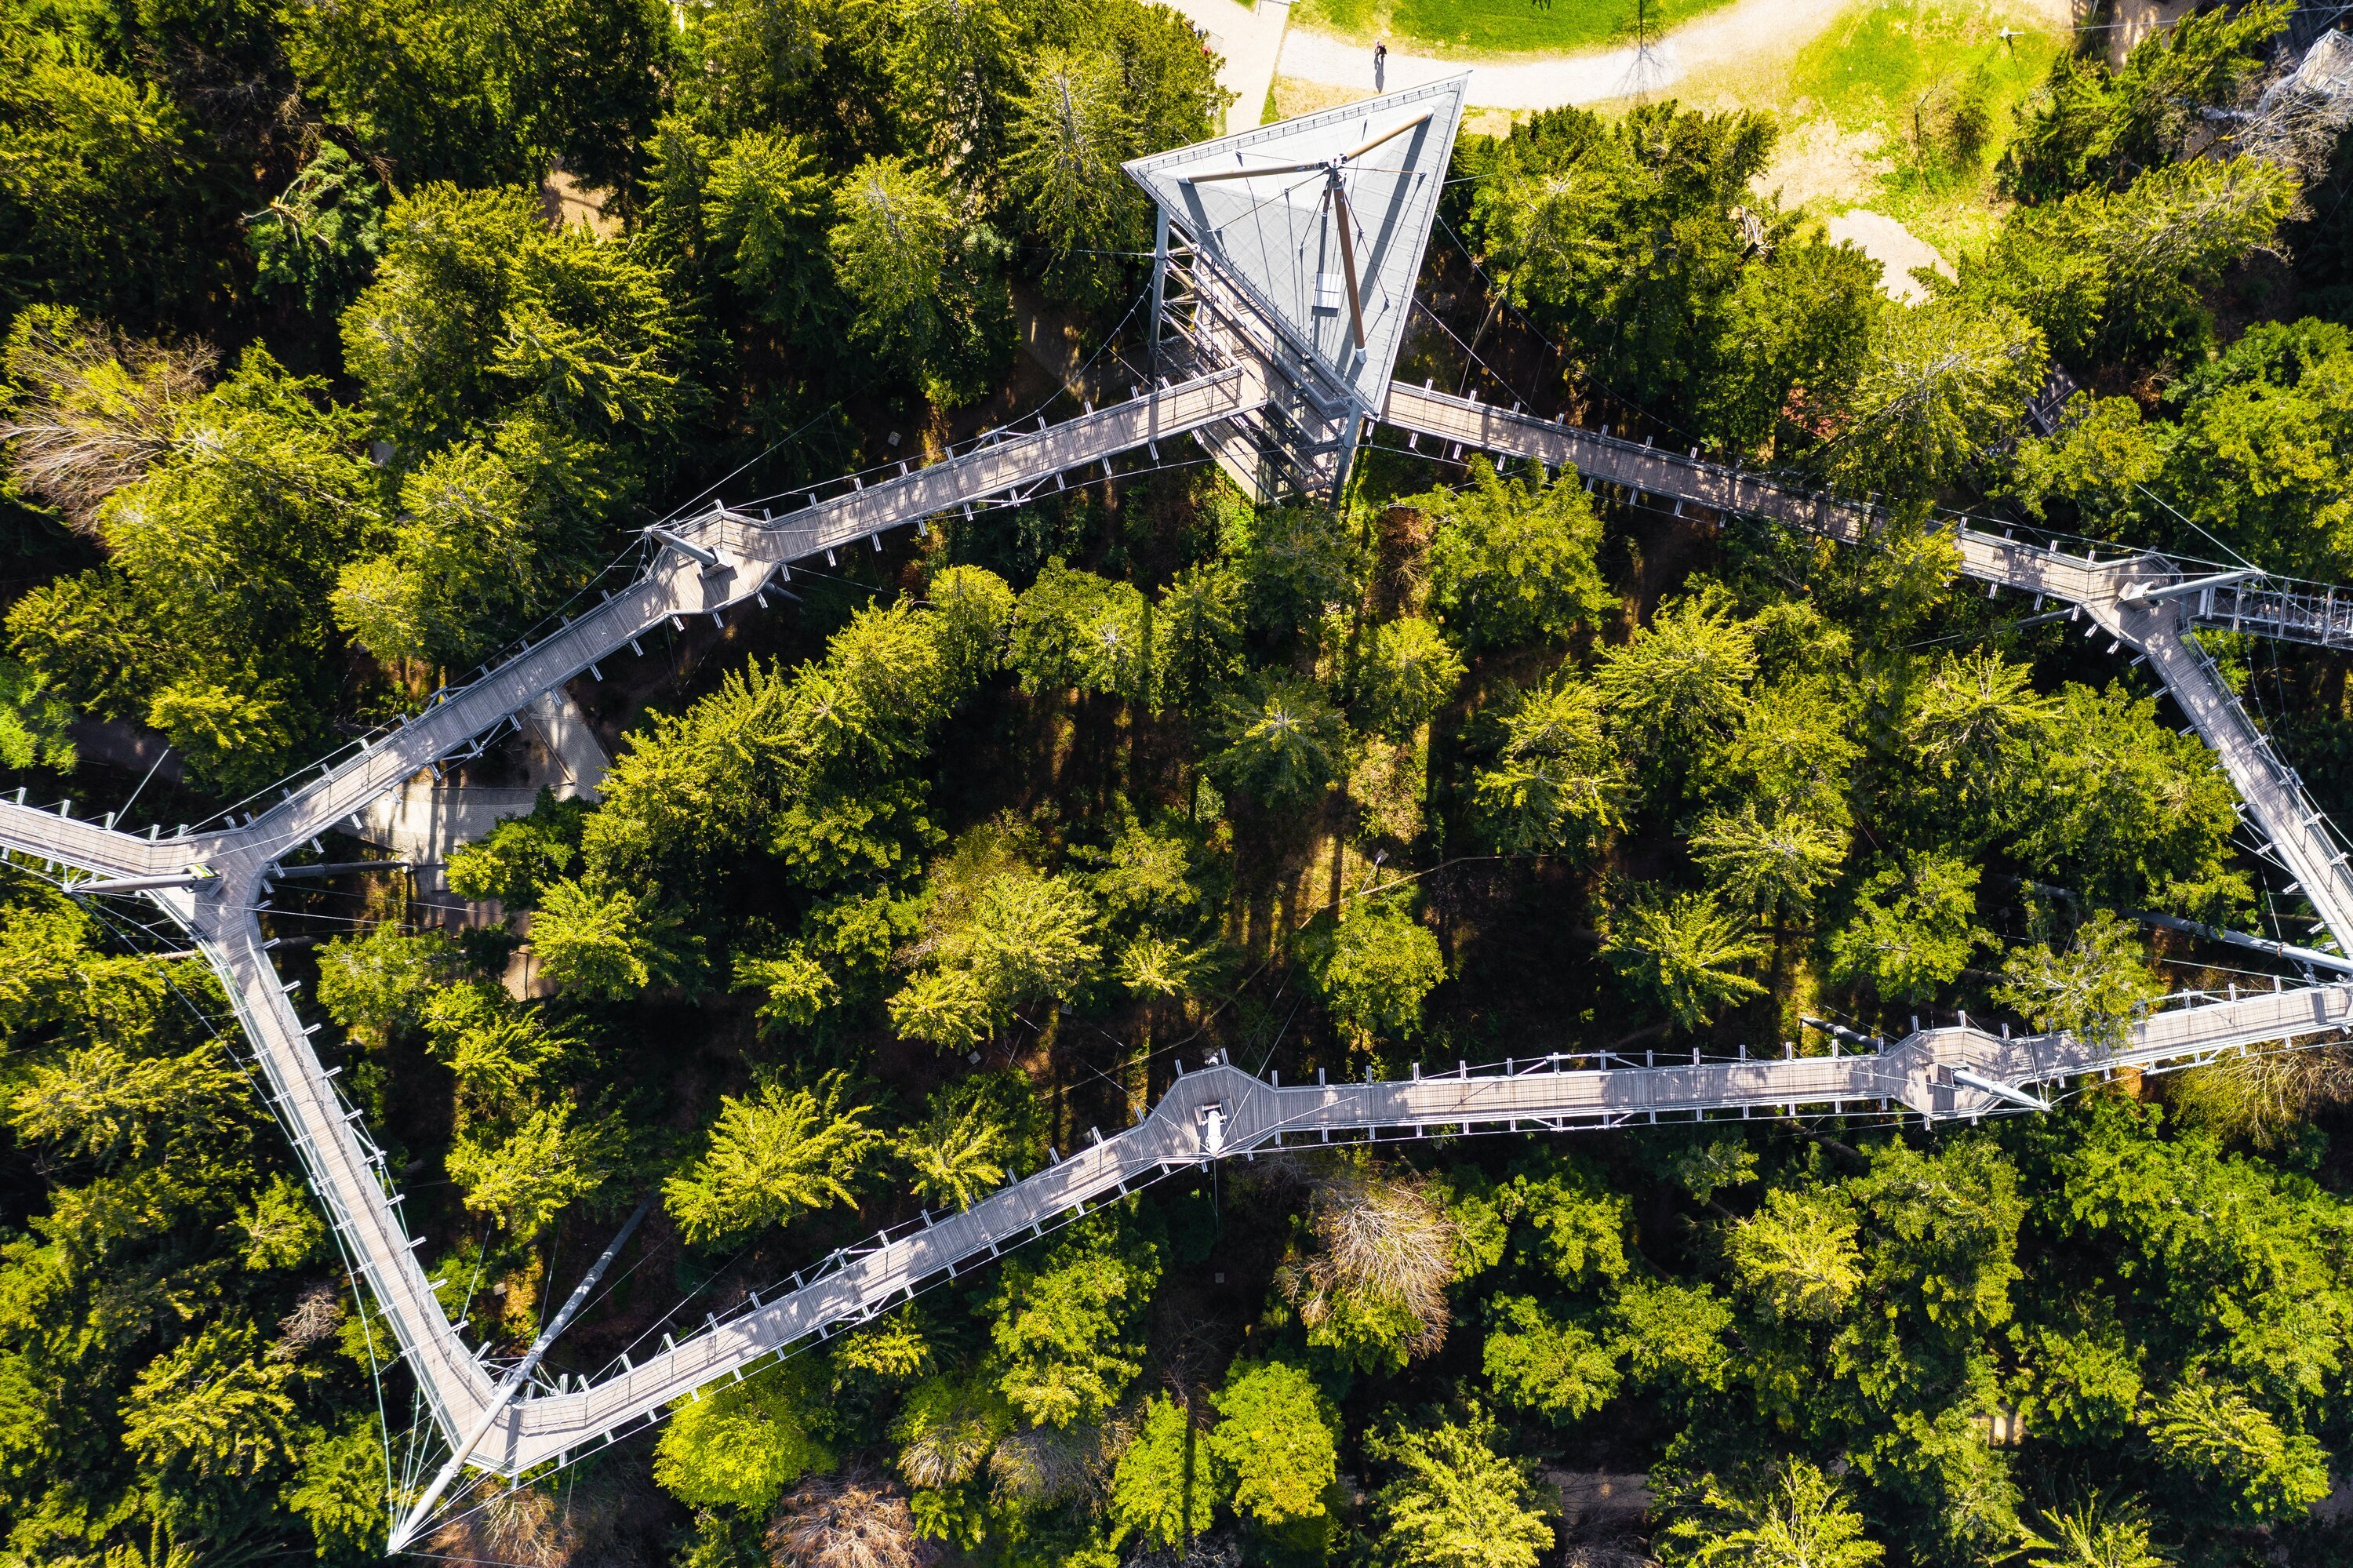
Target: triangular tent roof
pixel 1275 233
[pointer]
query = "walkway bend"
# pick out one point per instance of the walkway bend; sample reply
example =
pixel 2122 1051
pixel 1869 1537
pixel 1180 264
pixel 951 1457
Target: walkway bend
pixel 2140 599
pixel 1253 1116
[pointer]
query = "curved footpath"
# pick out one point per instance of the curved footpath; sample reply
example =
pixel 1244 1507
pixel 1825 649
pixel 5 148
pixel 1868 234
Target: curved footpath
pixel 215 885
pixel 1737 34
pixel 1259 43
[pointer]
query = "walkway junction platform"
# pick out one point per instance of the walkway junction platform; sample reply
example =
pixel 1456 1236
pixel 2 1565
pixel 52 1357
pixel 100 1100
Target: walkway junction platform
pixel 1286 264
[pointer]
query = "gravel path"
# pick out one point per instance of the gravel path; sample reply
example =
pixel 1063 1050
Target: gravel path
pixel 1736 34
pixel 1249 38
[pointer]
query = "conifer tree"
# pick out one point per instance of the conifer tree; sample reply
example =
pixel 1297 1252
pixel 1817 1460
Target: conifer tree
pixel 770 1155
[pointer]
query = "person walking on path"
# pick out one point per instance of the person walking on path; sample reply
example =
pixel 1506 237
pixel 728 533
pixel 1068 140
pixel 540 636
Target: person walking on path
pixel 1381 66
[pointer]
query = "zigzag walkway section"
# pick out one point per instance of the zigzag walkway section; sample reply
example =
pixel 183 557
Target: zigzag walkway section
pixel 1220 1111
pixel 2142 600
pixel 211 884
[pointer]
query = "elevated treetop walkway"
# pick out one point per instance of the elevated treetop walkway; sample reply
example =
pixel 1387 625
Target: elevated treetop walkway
pixel 1278 306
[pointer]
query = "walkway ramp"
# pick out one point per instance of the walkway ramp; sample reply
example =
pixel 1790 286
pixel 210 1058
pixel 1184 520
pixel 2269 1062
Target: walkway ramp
pixel 2136 598
pixel 1256 1116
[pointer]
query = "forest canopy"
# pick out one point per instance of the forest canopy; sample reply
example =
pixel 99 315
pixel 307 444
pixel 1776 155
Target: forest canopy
pixel 345 347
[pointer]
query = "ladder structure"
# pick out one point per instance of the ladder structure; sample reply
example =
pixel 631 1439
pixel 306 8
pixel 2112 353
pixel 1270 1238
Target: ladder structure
pixel 1280 343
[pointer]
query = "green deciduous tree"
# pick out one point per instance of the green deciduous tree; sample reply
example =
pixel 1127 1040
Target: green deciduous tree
pixel 2093 125
pixel 520 856
pixel 1567 1223
pixel 2097 467
pixel 752 61
pixel 1274 1439
pixel 2091 985
pixel 1685 952
pixel 971 610
pixel 741 1444
pixel 459 565
pixel 2124 810
pixel 95 171
pixel 1913 929
pixel 459 91
pixel 1537 1360
pixel 1558 781
pixel 1376 967
pixel 1456 1502
pixel 1797 1255
pixel 1794 746
pixel 1793 337
pixel 1297 563
pixel 1511 561
pixel 1673 1335
pixel 2118 275
pixel 1627 235
pixel 1068 1327
pixel 1169 1481
pixel 771 1154
pixel 2262 457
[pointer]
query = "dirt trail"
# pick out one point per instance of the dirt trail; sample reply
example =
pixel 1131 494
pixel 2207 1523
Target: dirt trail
pixel 1737 32
pixel 1738 36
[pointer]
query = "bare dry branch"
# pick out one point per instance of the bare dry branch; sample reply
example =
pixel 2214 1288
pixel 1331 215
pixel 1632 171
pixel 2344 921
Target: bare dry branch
pixel 852 1519
pixel 96 411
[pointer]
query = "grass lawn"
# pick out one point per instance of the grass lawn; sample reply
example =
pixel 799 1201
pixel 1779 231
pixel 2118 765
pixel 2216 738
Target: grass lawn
pixel 1902 68
pixel 1494 26
pixel 1892 65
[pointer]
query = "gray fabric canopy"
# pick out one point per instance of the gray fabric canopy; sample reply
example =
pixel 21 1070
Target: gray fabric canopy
pixel 1266 206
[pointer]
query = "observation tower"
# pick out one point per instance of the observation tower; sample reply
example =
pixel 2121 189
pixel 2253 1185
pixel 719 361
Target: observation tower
pixel 1296 246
